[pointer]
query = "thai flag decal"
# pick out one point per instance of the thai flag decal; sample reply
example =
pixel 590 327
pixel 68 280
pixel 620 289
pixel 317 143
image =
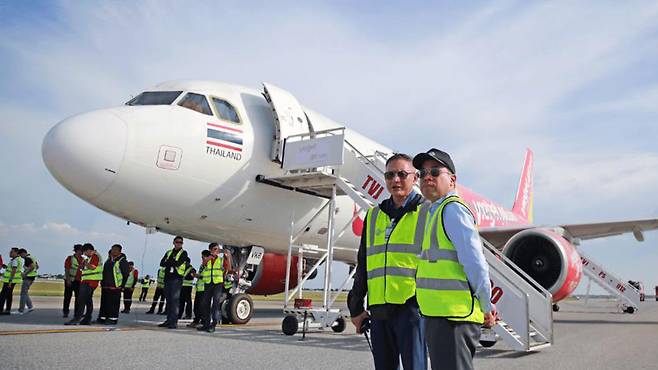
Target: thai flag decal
pixel 224 137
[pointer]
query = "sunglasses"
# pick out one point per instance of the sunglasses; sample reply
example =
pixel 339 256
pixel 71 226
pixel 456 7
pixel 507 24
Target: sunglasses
pixel 434 171
pixel 178 242
pixel 390 175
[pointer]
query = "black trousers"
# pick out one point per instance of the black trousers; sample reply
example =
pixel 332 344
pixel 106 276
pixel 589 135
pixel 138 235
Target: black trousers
pixel 6 295
pixel 172 290
pixel 69 291
pixel 212 303
pixel 451 344
pixel 198 302
pixel 185 302
pixel 142 295
pixel 127 298
pixel 84 302
pixel 110 304
pixel 159 295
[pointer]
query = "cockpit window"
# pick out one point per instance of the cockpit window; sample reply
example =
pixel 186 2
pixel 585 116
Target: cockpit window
pixel 154 98
pixel 196 102
pixel 225 110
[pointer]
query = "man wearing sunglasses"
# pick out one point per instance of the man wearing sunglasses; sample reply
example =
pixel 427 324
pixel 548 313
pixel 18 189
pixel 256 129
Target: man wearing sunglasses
pixel 174 264
pixel 387 261
pixel 452 281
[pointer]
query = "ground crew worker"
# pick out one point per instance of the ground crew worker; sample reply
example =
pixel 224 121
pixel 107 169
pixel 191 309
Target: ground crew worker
pixel 215 293
pixel 387 261
pixel 200 291
pixel 72 275
pixel 159 293
pixel 115 274
pixel 11 277
pixel 30 272
pixel 92 274
pixel 130 287
pixel 185 303
pixel 174 263
pixel 146 283
pixel 452 281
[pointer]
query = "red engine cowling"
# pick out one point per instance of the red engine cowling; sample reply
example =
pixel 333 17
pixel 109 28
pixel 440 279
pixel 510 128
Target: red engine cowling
pixel 270 275
pixel 548 258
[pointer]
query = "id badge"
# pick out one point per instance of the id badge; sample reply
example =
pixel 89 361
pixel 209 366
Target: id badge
pixel 388 232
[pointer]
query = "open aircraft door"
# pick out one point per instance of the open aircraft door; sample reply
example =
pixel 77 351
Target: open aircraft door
pixel 289 118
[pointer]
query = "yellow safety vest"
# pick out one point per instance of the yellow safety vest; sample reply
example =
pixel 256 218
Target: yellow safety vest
pixel 391 264
pixel 18 276
pixel 93 274
pixel 442 288
pixel 33 273
pixel 214 272
pixel 181 269
pixel 188 282
pixel 161 273
pixel 200 286
pixel 118 276
pixel 73 270
pixel 130 282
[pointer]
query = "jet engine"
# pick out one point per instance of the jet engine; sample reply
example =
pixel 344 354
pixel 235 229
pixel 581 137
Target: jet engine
pixel 270 275
pixel 548 258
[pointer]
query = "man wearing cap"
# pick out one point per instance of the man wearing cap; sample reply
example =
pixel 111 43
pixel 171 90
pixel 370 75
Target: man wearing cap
pixel 72 276
pixel 452 280
pixel 386 269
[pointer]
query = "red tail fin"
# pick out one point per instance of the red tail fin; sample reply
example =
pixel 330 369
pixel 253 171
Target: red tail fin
pixel 524 194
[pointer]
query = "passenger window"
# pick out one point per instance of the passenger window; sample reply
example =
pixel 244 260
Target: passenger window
pixel 196 102
pixel 225 110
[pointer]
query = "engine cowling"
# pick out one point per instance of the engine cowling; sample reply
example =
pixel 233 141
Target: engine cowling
pixel 270 276
pixel 548 258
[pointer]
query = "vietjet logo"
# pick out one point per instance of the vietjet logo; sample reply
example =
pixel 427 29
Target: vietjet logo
pixel 357 224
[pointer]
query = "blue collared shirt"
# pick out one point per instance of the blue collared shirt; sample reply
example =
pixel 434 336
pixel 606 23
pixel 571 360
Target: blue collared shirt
pixel 460 228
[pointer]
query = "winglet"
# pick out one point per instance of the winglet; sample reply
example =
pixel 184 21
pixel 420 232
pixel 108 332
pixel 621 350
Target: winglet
pixel 524 194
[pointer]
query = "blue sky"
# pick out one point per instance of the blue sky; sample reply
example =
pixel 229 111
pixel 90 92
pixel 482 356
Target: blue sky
pixel 577 83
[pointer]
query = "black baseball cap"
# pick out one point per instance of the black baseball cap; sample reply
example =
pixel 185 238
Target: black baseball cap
pixel 437 155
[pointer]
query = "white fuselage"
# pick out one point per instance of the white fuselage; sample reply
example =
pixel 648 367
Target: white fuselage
pixel 113 159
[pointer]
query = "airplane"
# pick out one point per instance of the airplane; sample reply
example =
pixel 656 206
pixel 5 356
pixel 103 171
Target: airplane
pixel 193 158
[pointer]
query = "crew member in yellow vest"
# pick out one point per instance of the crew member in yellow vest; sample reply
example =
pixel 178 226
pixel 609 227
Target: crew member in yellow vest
pixel 128 290
pixel 72 276
pixel 92 274
pixel 115 275
pixel 386 265
pixel 200 290
pixel 174 263
pixel 13 275
pixel 30 272
pixel 452 281
pixel 146 284
pixel 215 293
pixel 159 293
pixel 185 302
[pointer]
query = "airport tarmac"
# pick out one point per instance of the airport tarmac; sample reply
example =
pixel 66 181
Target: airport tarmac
pixel 586 337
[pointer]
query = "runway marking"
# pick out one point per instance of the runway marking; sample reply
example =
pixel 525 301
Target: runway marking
pixel 57 331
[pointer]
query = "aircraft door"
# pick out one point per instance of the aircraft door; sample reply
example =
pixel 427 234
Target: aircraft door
pixel 289 118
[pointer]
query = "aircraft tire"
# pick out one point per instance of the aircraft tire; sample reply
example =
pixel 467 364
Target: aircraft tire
pixel 339 325
pixel 289 325
pixel 240 308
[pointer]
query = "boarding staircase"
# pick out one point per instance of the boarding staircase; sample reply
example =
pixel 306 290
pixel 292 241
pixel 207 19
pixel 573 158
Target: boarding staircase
pixel 326 164
pixel 627 296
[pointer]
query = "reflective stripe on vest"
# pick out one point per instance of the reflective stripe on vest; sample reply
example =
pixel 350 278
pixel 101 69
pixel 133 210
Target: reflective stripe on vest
pixel 161 273
pixel 214 272
pixel 118 276
pixel 442 288
pixel 200 286
pixel 180 269
pixel 18 276
pixel 130 282
pixel 188 282
pixel 73 270
pixel 89 274
pixel 391 264
pixel 35 264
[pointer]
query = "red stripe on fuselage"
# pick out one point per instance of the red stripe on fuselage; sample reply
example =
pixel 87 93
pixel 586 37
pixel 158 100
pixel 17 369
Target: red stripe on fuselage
pixel 225 127
pixel 223 145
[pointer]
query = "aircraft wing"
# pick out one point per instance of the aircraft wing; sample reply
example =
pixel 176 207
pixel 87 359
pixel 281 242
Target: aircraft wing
pixel 498 236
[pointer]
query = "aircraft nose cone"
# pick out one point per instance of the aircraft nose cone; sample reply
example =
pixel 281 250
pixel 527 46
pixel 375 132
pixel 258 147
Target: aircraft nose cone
pixel 84 152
